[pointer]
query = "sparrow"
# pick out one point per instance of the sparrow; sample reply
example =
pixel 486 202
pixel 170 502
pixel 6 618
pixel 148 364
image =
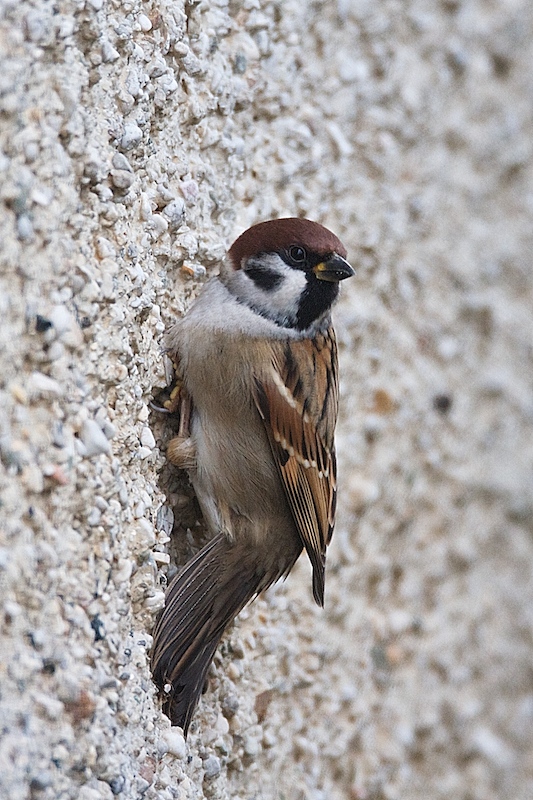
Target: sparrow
pixel 257 398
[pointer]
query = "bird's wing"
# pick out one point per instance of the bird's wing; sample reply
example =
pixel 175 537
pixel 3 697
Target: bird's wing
pixel 297 399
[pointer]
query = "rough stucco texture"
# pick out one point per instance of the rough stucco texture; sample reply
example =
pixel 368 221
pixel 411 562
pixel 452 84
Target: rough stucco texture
pixel 137 139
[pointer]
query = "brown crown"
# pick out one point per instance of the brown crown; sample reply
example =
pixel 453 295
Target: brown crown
pixel 280 234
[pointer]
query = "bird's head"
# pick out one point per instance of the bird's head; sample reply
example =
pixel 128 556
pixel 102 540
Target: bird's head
pixel 287 270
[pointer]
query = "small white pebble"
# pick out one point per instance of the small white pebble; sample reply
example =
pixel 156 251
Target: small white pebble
pixel 94 517
pixel 189 190
pixel 94 439
pixel 56 351
pixel 144 413
pixel 101 503
pixel 39 385
pixel 448 347
pixel 100 791
pixel 132 136
pixel 66 327
pixel 12 610
pixel 251 745
pixel 80 448
pixel 48 469
pixel 175 213
pixel 109 429
pixel 269 739
pixel 42 196
pixel 399 620
pixel 33 479
pixel 109 54
pixel 340 141
pixel 158 224
pixel 121 178
pixel 147 438
pixel 144 535
pixel 161 747
pixel 238 648
pixel 211 767
pixel 155 602
pixel 138 511
pixel 50 706
pixel 119 161
pixel 145 209
pixel 222 725
pixel 175 743
pixel 234 671
pixel 61 319
pixel 24 228
pixel 60 753
pixel 145 23
pixel 491 747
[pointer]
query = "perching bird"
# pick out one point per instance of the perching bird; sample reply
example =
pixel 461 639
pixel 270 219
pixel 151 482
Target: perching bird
pixel 256 357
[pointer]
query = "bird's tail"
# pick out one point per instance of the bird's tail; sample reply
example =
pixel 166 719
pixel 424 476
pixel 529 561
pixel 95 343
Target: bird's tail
pixel 200 603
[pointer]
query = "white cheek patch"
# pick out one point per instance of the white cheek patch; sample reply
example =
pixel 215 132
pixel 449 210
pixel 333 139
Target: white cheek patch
pixel 285 298
pixel 280 302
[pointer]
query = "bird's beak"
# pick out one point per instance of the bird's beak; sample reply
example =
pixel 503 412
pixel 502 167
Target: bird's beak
pixel 334 269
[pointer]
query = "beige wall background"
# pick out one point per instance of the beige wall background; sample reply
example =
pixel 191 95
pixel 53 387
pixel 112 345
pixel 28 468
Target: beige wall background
pixel 137 140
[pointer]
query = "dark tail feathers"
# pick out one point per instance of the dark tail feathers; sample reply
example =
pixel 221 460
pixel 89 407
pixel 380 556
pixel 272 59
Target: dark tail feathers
pixel 200 603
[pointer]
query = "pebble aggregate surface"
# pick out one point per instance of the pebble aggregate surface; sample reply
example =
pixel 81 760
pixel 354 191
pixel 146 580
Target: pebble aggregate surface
pixel 137 140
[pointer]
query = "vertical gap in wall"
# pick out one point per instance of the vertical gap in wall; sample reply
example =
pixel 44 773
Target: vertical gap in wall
pixel 184 525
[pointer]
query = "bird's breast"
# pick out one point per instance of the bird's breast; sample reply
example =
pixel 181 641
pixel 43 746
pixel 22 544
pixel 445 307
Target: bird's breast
pixel 235 464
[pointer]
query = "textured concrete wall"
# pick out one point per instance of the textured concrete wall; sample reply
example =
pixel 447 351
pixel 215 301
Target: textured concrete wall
pixel 136 140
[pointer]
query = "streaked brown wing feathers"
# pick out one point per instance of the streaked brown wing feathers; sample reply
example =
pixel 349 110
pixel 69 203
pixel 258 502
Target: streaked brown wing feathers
pixel 297 400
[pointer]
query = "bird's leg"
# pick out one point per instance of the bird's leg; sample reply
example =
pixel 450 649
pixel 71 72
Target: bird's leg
pixel 180 449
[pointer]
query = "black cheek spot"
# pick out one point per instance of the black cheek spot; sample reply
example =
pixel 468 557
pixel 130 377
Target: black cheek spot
pixel 264 278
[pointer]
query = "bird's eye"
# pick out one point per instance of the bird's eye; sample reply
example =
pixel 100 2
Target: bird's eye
pixel 297 254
